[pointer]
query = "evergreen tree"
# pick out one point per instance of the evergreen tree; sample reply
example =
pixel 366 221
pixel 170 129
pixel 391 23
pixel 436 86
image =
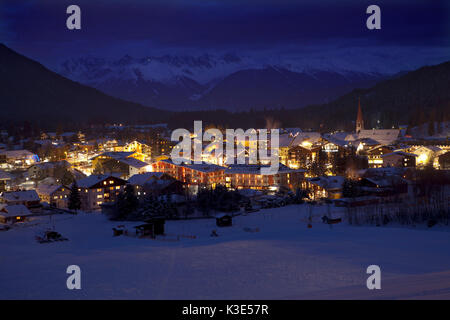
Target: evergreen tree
pixel 74 197
pixel 318 167
pixel 126 206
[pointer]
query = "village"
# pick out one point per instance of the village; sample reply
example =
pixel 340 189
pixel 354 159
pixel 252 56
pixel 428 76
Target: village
pixel 348 169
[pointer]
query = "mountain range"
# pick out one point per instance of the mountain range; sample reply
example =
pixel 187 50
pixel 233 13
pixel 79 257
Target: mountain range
pixel 31 92
pixel 209 82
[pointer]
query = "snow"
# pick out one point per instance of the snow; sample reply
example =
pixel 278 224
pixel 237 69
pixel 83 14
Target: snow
pixel 19 196
pixel 15 210
pixel 284 259
pixel 209 67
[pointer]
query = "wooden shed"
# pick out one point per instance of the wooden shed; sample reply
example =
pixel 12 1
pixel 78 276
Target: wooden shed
pixel 224 220
pixel 152 227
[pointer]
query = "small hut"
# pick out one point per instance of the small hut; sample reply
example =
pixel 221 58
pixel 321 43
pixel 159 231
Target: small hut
pixel 224 220
pixel 152 227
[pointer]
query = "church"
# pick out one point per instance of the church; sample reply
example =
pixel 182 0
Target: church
pixel 372 136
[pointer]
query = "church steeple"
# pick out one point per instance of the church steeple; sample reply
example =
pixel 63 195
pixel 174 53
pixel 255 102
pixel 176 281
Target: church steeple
pixel 359 118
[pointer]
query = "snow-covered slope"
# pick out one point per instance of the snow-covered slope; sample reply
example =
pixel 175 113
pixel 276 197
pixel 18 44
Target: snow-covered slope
pixel 284 259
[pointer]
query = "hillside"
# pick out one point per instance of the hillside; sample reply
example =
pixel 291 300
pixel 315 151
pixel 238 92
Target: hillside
pixel 29 91
pixel 413 98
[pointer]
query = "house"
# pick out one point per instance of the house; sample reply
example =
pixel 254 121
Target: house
pixel 374 156
pixel 425 154
pixel 43 170
pixel 28 198
pixel 97 189
pixel 139 148
pixel 399 159
pixel 365 144
pixel 325 187
pixel 204 174
pixel 142 178
pixel 55 195
pixel 138 181
pixel 249 176
pixel 123 163
pixel 384 185
pixel 106 144
pixel 337 142
pixel 5 181
pixel 300 156
pixel 19 158
pixel 14 213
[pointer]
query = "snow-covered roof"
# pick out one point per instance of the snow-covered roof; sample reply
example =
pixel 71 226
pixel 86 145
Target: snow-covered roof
pixel 93 180
pixel 132 162
pixel 203 167
pixel 386 181
pixel 369 141
pixel 285 140
pixel 48 189
pixel 25 195
pixel 383 136
pixel 400 153
pixel 338 135
pixel 429 148
pixel 340 143
pixel 312 137
pixel 383 171
pixel 141 178
pixel 16 210
pixel 328 182
pixel 256 169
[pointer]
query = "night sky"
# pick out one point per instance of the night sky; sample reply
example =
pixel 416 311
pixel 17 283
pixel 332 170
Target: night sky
pixel 140 27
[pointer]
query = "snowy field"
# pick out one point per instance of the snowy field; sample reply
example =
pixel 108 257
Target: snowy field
pixel 283 260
